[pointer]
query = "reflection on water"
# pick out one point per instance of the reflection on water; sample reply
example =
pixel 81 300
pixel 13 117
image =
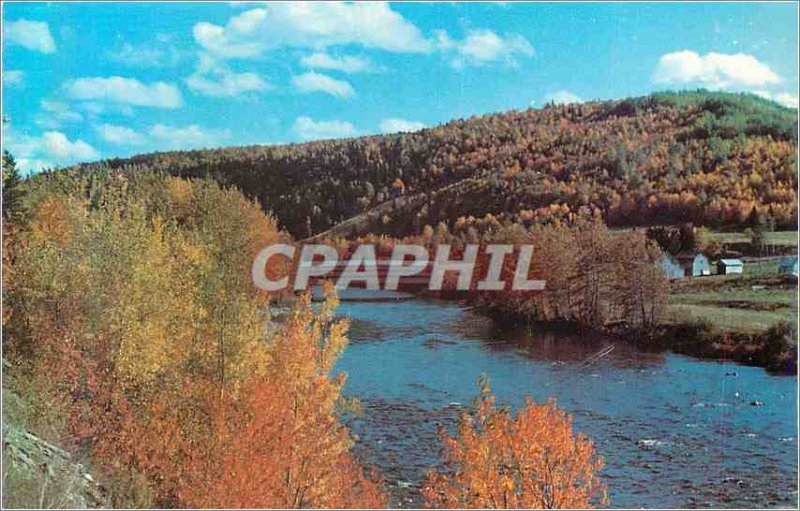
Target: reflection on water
pixel 675 431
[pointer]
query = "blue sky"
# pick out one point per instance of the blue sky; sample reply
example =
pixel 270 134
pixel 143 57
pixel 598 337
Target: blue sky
pixel 89 81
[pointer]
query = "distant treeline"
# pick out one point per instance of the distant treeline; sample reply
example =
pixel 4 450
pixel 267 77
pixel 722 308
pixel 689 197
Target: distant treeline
pixel 701 157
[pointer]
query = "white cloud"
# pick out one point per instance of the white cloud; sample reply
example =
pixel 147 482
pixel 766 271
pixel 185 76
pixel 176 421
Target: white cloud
pixel 33 35
pixel 562 97
pixel 13 78
pixel 215 78
pixel 162 137
pixel 120 135
pixel 52 148
pixel 714 70
pixel 94 109
pixel 311 24
pixel 214 39
pixel 226 84
pixel 482 46
pixel 317 82
pixel 160 55
pixel 54 114
pixel 187 137
pixel 126 91
pixel 57 145
pixel 33 165
pixel 786 99
pixel 396 125
pixel 346 63
pixel 309 129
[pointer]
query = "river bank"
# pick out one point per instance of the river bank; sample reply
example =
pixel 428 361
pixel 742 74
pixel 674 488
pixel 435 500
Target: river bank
pixel 770 349
pixel 750 319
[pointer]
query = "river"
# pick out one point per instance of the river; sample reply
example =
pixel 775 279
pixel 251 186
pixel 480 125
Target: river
pixel 674 431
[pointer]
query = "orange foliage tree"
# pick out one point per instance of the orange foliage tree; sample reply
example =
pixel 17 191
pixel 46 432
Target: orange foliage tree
pixel 283 445
pixel 531 460
pixel 134 313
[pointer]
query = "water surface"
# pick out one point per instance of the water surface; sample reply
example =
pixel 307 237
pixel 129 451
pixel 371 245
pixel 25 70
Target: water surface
pixel 674 431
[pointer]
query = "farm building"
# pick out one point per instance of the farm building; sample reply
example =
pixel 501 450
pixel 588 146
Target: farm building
pixel 694 265
pixel 671 267
pixel 685 265
pixel 788 266
pixel 730 266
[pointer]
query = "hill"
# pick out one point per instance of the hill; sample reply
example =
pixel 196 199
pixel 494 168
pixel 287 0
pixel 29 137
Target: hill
pixel 717 159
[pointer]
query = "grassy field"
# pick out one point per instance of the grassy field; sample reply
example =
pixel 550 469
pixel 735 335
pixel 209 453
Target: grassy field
pixel 725 318
pixel 766 299
pixel 779 238
pixel 784 238
pixel 751 302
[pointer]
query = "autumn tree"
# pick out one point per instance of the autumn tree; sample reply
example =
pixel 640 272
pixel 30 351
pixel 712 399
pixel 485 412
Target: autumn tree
pixel 640 288
pixel 707 244
pixel 531 459
pixel 132 309
pixel 283 445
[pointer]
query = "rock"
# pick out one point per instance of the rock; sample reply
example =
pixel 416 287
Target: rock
pixel 648 442
pixel 32 457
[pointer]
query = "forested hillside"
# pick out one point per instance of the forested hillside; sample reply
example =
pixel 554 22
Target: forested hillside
pixel 715 159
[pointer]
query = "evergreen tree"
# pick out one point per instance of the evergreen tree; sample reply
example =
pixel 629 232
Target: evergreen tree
pixel 12 194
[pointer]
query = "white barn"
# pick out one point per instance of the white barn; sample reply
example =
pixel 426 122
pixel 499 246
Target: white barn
pixel 730 266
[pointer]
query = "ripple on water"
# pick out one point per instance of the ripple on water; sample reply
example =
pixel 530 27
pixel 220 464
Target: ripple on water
pixel 674 431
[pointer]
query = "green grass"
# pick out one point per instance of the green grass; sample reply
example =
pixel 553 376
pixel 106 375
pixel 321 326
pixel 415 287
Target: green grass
pixel 728 318
pixel 760 268
pixel 770 297
pixel 783 238
pixel 751 302
pixel 740 310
